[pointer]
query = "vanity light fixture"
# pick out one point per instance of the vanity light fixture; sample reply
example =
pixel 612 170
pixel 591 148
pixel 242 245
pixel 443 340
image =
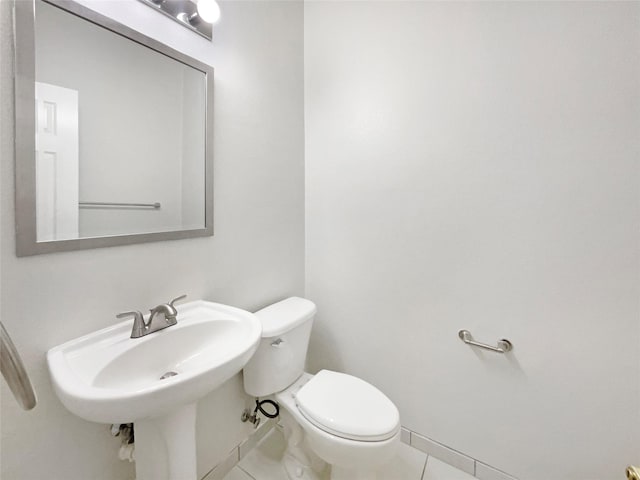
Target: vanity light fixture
pixel 208 10
pixel 197 15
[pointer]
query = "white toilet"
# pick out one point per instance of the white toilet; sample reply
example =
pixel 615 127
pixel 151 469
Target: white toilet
pixel 328 417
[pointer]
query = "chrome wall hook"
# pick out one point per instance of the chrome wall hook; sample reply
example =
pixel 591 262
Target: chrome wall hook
pixel 504 345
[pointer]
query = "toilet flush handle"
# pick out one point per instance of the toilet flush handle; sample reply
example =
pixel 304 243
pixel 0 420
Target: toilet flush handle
pixel 277 343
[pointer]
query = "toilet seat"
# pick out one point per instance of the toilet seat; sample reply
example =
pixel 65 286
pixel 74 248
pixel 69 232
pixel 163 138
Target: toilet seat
pixel 348 407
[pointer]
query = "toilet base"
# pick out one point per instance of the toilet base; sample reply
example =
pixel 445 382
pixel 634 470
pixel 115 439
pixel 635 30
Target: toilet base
pixel 310 452
pixel 299 461
pixel 339 473
pixel 296 470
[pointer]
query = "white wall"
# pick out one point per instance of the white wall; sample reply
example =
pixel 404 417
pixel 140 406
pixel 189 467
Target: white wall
pixel 255 257
pixel 475 165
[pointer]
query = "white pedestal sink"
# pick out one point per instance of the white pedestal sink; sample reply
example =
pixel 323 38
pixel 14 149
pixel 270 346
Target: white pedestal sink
pixel 166 446
pixel 108 377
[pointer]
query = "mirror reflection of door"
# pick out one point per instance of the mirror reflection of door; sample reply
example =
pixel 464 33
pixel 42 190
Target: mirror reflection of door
pixel 56 162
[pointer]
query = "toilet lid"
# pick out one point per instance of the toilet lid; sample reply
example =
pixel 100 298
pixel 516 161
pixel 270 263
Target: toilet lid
pixel 348 407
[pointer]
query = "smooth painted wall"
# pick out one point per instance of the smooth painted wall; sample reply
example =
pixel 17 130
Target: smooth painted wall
pixel 476 165
pixel 256 256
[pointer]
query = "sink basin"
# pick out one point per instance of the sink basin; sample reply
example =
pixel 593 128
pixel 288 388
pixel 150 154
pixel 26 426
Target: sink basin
pixel 155 381
pixel 108 377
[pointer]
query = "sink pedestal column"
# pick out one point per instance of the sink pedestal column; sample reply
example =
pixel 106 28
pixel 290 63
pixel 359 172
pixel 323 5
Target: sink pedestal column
pixel 166 446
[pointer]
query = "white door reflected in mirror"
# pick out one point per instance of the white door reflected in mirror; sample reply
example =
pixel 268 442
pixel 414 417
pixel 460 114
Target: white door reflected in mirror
pixel 57 167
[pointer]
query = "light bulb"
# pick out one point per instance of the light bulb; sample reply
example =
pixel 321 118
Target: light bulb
pixel 208 10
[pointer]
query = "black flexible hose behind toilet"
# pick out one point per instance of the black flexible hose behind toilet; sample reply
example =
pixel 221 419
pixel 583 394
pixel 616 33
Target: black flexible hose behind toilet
pixel 263 411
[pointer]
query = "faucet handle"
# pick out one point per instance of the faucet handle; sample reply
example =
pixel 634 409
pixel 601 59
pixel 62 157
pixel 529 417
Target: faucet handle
pixel 135 314
pixel 181 297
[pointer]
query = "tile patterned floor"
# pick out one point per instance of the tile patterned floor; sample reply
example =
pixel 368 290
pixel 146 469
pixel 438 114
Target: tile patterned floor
pixel 263 463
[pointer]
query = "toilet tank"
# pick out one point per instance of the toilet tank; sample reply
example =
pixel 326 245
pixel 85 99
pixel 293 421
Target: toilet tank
pixel 281 355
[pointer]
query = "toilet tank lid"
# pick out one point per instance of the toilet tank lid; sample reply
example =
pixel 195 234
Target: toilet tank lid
pixel 283 316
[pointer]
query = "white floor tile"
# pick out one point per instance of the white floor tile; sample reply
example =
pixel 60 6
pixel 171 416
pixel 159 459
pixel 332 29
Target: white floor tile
pixel 224 467
pixel 237 474
pixel 263 462
pixel 408 465
pixel 437 470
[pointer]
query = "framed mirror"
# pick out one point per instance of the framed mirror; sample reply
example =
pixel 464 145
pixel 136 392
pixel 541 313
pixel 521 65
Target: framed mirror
pixel 113 134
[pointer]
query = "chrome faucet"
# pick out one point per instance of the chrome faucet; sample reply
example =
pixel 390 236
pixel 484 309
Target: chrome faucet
pixel 162 316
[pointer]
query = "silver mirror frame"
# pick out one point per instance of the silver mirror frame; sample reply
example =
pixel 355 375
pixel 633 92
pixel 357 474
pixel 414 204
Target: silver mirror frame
pixel 25 169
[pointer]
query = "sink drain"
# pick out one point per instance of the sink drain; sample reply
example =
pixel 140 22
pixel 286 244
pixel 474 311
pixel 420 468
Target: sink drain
pixel 168 375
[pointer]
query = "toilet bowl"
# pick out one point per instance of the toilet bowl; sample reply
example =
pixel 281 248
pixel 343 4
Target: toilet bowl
pixel 354 442
pixel 331 419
